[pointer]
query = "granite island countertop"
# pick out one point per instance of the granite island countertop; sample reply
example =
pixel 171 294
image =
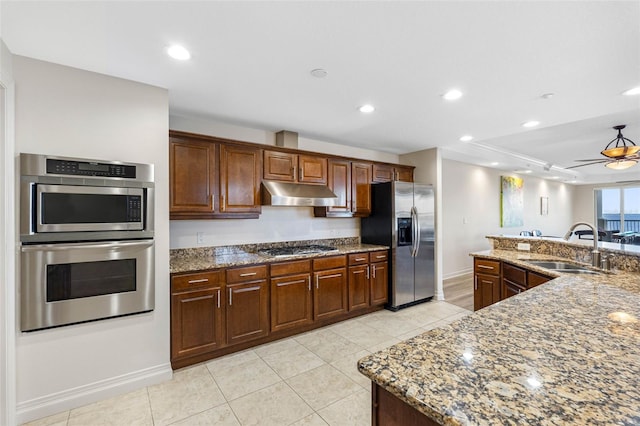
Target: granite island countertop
pixel 565 352
pixel 202 259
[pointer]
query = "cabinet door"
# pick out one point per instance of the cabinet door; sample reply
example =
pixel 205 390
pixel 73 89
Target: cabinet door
pixel 247 311
pixel 361 189
pixel 510 288
pixel 358 287
pixel 192 176
pixel 339 181
pixel 240 175
pixel 404 174
pixel 534 279
pixel 330 294
pixel 282 166
pixel 486 290
pixel 313 169
pixel 196 322
pixel 291 301
pixel 382 173
pixel 379 283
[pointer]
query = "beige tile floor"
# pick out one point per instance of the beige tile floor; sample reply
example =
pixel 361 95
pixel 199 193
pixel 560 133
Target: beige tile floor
pixel 308 379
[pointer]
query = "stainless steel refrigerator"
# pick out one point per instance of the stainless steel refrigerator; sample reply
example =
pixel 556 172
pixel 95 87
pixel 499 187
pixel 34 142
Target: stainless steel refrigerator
pixel 402 218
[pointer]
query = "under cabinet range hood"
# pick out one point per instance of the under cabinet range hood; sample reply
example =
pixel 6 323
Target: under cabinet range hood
pixel 276 193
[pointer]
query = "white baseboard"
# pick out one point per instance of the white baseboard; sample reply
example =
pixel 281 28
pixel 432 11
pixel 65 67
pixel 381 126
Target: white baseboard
pixel 457 274
pixel 86 394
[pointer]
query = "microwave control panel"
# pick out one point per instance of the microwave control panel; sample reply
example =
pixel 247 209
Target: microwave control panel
pixel 86 168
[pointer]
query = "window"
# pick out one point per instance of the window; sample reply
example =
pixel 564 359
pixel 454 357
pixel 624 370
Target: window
pixel 618 214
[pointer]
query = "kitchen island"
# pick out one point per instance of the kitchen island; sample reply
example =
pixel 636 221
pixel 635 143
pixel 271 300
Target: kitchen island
pixel 565 352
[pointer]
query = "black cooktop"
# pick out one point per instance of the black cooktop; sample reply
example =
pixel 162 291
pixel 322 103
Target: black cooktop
pixel 297 250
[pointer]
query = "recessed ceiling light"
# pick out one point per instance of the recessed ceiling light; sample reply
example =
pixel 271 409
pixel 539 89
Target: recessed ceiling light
pixel 367 108
pixel 452 95
pixel 319 73
pixel 532 123
pixel 466 138
pixel 178 52
pixel 547 95
pixel 554 177
pixel 495 163
pixel 631 92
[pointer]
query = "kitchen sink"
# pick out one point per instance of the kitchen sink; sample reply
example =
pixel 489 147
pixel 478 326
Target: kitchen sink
pixel 564 267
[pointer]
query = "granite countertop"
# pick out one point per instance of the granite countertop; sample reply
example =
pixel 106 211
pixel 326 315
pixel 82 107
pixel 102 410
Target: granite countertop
pixel 193 260
pixel 565 352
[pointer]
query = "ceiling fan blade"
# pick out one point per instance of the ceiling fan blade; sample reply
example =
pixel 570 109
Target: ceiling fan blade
pixel 587 164
pixel 594 159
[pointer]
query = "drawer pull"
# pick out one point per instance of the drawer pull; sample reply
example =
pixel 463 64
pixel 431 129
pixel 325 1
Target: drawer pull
pixel 485 267
pixel 203 280
pixel 381 256
pixel 290 282
pixel 329 276
pixel 487 282
pixel 360 259
pixel 244 290
pixel 367 271
pixel 358 272
pixel 218 298
pixel 248 274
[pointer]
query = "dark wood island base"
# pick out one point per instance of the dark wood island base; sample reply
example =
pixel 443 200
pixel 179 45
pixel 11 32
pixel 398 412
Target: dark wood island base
pixel 388 410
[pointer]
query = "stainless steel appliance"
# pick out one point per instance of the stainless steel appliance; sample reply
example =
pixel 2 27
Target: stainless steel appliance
pixel 403 218
pixel 86 229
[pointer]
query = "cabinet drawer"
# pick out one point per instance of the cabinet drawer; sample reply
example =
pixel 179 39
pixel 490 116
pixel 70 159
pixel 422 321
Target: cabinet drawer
pixel 201 279
pixel 486 266
pixel 329 262
pixel 248 273
pixel 358 259
pixel 378 256
pixel 534 279
pixel 514 274
pixel 288 268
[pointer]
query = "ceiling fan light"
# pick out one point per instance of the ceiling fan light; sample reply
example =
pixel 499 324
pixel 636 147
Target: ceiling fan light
pixel 621 164
pixel 621 151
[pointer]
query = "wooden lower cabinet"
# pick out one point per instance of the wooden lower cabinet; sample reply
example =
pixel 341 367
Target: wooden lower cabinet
pixel 330 296
pixel 379 278
pixel 359 287
pixel 486 283
pixel 247 311
pixel 291 304
pixel 217 312
pixel 389 410
pixel 197 314
pixel 534 279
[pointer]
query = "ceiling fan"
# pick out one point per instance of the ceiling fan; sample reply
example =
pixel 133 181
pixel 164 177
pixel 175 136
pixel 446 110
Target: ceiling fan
pixel 621 153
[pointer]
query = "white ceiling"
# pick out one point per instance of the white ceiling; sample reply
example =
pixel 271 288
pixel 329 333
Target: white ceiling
pixel 251 64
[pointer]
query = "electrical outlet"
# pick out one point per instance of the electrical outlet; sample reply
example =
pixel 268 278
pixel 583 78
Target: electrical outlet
pixel 200 237
pixel 524 246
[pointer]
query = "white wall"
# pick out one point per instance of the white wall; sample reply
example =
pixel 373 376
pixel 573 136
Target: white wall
pixel 70 112
pixel 275 223
pixel 471 210
pixel 7 237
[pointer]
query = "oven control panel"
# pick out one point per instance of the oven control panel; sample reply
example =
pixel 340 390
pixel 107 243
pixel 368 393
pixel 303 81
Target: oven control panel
pixel 86 168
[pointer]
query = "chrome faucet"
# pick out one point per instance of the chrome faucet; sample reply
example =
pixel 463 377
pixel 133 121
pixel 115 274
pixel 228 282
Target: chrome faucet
pixel 595 254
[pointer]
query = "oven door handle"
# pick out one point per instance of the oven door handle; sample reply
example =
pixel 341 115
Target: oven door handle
pixel 113 245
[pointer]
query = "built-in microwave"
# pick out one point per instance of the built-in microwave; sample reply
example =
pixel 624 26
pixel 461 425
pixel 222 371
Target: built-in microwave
pixel 68 199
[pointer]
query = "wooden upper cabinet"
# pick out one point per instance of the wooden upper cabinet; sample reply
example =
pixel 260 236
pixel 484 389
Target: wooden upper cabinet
pixel 290 167
pixel 361 189
pixel 313 169
pixel 403 174
pixel 282 166
pixel 192 166
pixel 383 173
pixel 240 176
pixel 339 181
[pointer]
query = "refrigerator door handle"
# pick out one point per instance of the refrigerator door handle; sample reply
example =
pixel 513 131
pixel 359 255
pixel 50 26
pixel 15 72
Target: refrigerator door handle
pixel 414 223
pixel 417 222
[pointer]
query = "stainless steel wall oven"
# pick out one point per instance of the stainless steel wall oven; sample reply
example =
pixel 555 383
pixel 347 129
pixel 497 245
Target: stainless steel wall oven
pixel 86 229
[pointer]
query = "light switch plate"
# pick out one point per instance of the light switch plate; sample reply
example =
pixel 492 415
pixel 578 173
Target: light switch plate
pixel 524 246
